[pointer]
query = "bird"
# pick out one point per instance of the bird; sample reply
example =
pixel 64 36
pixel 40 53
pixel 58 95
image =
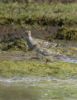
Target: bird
pixel 34 46
pixel 31 43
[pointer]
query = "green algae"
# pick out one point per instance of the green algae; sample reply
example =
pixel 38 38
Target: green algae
pixel 23 68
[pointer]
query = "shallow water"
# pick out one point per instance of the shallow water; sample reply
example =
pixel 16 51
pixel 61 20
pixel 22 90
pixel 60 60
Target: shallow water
pixel 38 88
pixel 67 59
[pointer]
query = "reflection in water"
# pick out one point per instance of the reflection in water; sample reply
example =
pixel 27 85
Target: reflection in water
pixel 18 93
pixel 68 59
pixel 38 89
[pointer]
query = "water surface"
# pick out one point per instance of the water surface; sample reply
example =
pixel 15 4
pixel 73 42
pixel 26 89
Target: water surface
pixel 38 88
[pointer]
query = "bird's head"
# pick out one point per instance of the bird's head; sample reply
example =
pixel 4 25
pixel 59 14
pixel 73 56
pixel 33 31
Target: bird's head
pixel 28 32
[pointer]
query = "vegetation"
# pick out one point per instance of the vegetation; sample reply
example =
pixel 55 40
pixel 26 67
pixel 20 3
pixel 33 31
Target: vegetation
pixel 13 44
pixel 67 33
pixel 23 68
pixel 43 15
pixel 28 1
pixel 12 64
